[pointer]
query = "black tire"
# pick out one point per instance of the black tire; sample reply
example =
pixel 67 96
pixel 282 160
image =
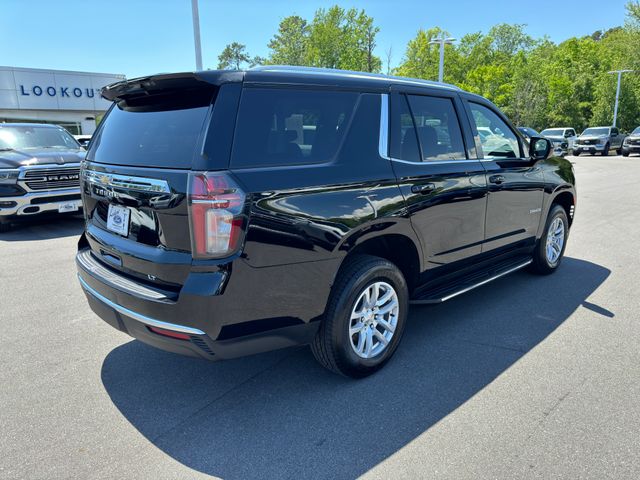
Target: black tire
pixel 576 153
pixel 541 264
pixel 605 152
pixel 625 154
pixel 332 344
pixel 619 151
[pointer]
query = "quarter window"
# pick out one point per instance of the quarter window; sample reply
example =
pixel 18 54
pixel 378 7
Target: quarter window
pixel 288 127
pixel 497 139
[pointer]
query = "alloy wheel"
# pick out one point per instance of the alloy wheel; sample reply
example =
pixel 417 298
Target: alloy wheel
pixel 555 240
pixel 373 321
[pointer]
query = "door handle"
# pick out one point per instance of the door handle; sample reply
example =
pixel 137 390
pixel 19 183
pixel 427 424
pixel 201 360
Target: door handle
pixel 423 189
pixel 497 179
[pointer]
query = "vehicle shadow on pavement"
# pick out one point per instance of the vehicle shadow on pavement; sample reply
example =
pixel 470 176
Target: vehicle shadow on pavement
pixel 44 228
pixel 281 415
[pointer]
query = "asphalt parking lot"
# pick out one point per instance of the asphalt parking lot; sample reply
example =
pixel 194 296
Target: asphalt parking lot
pixel 527 377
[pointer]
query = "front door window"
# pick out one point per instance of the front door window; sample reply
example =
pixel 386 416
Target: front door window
pixel 497 139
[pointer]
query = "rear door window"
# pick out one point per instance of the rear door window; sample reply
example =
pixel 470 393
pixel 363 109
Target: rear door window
pixel 278 126
pixel 156 131
pixel 403 142
pixel 438 128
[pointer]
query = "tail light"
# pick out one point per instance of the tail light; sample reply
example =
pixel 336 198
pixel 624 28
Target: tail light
pixel 216 204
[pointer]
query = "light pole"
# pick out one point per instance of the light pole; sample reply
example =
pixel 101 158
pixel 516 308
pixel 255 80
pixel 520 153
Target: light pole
pixel 615 108
pixel 442 41
pixel 196 33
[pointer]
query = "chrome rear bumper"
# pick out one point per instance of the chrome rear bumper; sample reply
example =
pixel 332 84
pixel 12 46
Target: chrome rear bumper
pixel 152 322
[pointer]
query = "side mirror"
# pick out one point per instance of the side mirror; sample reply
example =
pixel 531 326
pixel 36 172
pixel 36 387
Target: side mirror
pixel 539 148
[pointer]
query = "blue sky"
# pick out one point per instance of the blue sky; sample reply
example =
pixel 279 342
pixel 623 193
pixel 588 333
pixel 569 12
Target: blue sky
pixel 139 37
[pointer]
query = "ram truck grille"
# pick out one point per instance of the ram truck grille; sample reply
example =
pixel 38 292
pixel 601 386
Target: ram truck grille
pixel 52 178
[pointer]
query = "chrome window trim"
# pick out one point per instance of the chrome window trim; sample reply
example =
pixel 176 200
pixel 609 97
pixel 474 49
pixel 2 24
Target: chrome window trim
pixel 383 141
pixel 128 182
pixel 138 316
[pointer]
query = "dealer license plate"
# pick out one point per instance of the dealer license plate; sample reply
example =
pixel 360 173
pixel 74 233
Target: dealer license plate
pixel 68 207
pixel 118 220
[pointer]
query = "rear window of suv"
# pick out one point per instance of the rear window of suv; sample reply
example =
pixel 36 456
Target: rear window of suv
pixel 278 126
pixel 155 131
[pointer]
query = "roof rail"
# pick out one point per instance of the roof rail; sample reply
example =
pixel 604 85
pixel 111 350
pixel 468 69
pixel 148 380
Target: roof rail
pixel 352 74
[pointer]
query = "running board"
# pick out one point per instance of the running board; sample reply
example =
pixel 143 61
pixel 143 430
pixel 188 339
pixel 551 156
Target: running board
pixel 447 292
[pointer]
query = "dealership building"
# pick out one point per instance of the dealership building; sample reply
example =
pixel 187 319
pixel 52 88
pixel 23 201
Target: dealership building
pixel 69 99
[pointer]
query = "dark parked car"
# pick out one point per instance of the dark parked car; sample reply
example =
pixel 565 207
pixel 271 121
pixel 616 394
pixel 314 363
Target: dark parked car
pixel 599 140
pixel 631 143
pixel 528 132
pixel 230 213
pixel 39 171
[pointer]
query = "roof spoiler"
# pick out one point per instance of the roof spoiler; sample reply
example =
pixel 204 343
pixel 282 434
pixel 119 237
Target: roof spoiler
pixel 169 81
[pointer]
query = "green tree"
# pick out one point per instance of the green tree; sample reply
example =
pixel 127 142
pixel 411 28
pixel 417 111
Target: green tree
pixel 234 57
pixel 528 102
pixel 363 37
pixel 507 40
pixel 289 45
pixel 537 82
pixel 633 11
pixel 421 58
pixel 619 50
pixel 257 60
pixel 343 39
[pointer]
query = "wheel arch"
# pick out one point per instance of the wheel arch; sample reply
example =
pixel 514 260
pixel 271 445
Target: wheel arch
pixel 563 195
pixel 567 200
pixel 401 250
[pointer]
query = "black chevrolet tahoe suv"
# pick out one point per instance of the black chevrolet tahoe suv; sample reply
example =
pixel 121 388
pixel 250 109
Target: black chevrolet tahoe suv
pixel 230 213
